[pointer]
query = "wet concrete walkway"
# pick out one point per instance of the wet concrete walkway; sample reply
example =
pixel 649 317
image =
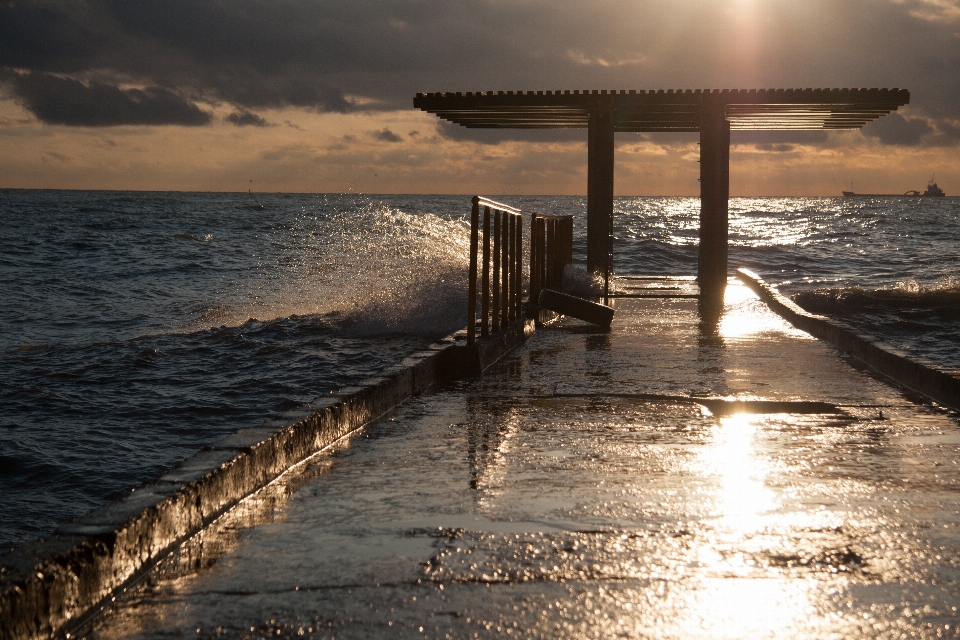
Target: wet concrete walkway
pixel 580 490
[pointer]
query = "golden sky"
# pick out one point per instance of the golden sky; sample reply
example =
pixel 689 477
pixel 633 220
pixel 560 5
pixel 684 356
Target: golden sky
pixel 316 96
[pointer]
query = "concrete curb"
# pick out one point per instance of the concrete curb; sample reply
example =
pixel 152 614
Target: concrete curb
pixel 938 384
pixel 47 586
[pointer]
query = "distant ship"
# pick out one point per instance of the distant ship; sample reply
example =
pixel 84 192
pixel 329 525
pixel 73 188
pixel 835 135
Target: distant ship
pixel 933 191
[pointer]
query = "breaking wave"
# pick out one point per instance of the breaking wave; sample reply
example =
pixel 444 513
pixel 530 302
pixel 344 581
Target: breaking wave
pixel 374 271
pixel 942 297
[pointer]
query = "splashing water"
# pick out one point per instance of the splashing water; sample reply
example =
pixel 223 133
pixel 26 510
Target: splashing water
pixel 143 326
pixel 138 327
pixel 375 270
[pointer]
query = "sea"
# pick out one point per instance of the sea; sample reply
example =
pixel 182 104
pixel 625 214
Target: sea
pixel 138 327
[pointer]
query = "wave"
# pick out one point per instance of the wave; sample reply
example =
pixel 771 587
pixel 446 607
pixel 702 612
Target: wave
pixel 189 236
pixel 943 297
pixel 377 270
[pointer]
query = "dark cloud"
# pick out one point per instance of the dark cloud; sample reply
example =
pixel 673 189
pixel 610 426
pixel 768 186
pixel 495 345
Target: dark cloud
pixel 246 119
pixel 894 129
pixel 949 130
pixel 349 55
pixel 385 135
pixel 56 100
pixel 51 36
pixel 782 139
pixel 496 136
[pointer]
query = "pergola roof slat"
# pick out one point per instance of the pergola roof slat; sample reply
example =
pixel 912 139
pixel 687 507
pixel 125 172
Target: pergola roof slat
pixel 666 110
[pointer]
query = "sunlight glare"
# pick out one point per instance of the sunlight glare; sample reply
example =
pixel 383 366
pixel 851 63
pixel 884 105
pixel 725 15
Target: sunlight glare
pixel 748 608
pixel 745 315
pixel 743 499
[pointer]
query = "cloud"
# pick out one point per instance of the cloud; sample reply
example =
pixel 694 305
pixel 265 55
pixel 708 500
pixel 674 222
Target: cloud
pixel 453 131
pixel 773 138
pixel 385 135
pixel 896 130
pixel 778 141
pixel 345 56
pixel 246 119
pixel 950 130
pixel 933 10
pixel 57 100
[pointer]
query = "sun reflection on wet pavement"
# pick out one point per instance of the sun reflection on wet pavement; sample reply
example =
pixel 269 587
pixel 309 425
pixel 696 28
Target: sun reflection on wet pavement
pixel 743 498
pixel 585 489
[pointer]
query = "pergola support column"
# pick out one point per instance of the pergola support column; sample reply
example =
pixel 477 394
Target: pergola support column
pixel 600 190
pixel 714 201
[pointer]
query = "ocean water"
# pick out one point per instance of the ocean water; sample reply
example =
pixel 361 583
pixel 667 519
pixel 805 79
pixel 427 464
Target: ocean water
pixel 138 327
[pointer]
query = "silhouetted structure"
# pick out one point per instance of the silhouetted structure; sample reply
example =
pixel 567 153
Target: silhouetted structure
pixel 711 113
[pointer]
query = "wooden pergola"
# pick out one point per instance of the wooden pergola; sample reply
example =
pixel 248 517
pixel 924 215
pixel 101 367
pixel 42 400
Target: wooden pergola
pixel 711 113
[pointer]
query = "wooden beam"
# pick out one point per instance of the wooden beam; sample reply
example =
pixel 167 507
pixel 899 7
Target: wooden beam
pixel 714 197
pixel 599 187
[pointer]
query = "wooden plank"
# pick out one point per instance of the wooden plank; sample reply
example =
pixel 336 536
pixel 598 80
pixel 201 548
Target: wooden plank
pixel 575 307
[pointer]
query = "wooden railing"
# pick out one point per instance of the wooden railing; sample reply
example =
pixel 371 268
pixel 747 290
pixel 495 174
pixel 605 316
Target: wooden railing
pixel 500 295
pixel 551 249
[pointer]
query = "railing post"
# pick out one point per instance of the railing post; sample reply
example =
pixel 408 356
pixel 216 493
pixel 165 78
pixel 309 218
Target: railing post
pixel 512 243
pixel 552 253
pixel 534 271
pixel 485 279
pixel 504 270
pixel 472 288
pixel 495 312
pixel 507 258
pixel 518 280
pixel 544 266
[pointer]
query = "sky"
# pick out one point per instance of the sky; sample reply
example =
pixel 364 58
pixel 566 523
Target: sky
pixel 317 95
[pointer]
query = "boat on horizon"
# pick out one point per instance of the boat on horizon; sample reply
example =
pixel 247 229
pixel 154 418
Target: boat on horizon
pixel 933 191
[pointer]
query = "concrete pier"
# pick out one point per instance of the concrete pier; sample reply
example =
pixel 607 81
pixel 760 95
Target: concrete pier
pixel 671 478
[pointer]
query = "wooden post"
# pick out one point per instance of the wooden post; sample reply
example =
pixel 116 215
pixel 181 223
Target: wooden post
pixel 541 253
pixel 599 187
pixel 485 277
pixel 472 288
pixel 497 250
pixel 518 280
pixel 558 255
pixel 510 270
pixel 552 253
pixel 551 244
pixel 534 261
pixel 504 269
pixel 714 199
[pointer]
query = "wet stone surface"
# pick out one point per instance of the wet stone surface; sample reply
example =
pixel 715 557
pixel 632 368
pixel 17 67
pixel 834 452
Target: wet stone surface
pixel 494 507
